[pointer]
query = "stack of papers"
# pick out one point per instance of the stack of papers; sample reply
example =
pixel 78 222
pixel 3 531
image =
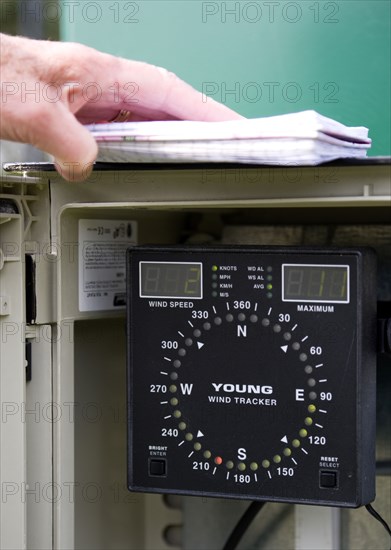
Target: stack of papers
pixel 305 138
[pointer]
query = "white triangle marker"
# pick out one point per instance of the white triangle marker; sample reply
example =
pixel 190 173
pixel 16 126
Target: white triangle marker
pixel 284 439
pixel 201 345
pixel 284 348
pixel 200 434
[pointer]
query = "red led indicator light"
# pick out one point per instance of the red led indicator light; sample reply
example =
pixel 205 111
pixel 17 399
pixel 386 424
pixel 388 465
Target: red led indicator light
pixel 218 460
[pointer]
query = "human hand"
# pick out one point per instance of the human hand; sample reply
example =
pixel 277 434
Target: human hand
pixel 50 89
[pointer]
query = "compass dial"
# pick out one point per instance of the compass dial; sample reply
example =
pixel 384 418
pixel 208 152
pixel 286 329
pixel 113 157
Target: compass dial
pixel 243 374
pixel 233 386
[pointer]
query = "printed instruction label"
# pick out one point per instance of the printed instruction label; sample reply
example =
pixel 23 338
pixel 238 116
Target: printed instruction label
pixel 102 263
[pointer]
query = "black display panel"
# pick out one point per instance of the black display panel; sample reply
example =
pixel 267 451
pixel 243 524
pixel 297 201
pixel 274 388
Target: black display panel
pixel 249 391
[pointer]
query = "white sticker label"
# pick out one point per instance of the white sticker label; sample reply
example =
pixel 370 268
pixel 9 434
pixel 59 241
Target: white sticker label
pixel 102 263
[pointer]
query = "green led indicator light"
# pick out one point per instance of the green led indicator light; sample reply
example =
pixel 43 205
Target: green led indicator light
pixel 215 268
pixel 269 286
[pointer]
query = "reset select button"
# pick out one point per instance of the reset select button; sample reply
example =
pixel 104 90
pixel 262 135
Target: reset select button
pixel 328 480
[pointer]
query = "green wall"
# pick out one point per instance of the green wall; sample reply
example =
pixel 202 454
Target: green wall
pixel 260 58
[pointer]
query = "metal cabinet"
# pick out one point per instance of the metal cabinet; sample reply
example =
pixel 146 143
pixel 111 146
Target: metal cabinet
pixel 63 429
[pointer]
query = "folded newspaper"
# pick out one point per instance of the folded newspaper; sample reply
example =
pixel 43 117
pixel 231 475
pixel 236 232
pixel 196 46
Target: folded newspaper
pixel 306 138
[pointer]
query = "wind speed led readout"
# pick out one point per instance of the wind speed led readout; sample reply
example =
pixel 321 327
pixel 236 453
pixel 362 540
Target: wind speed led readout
pixel 251 373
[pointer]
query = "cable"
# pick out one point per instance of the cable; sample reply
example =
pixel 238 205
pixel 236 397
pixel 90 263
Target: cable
pixel 248 516
pixel 243 524
pixel 377 516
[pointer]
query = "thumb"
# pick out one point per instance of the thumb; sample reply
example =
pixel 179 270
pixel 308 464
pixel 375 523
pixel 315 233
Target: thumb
pixel 71 144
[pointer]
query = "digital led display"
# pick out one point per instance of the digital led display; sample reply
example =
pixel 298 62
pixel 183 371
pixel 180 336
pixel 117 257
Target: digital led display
pixel 315 283
pixel 170 280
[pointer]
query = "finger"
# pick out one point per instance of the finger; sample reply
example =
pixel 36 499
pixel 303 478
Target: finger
pixel 89 114
pixel 161 90
pixel 73 147
pixel 146 90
